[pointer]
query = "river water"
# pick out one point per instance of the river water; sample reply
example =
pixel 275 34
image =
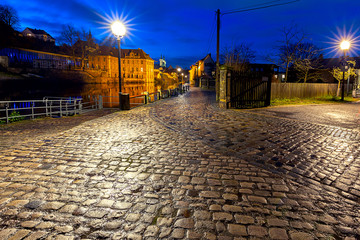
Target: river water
pixel 31 89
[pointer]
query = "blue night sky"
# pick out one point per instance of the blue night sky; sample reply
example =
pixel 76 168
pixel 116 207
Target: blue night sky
pixel 181 30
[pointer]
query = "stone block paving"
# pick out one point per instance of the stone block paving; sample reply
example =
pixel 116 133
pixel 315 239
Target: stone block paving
pixel 141 175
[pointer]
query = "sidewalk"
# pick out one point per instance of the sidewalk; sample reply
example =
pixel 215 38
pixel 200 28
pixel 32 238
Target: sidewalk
pixel 176 169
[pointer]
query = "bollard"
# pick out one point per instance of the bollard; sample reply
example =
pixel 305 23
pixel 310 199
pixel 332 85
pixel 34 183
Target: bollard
pixel 146 98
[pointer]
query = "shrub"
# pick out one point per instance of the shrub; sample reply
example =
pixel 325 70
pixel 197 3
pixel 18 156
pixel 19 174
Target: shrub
pixel 15 117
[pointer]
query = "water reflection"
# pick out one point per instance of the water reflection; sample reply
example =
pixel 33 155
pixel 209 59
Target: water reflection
pixel 25 89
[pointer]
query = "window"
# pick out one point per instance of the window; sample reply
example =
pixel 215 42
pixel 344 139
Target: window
pixel 141 61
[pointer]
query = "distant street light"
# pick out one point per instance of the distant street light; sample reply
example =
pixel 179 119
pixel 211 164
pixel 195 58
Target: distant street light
pixel 119 31
pixel 182 75
pixel 344 45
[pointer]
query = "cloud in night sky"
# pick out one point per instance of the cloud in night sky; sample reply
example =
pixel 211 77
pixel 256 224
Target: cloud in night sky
pixel 181 30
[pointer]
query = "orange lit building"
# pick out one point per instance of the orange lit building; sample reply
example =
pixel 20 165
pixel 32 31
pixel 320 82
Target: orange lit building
pixel 201 70
pixel 137 69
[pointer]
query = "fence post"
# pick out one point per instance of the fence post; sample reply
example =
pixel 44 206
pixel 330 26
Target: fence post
pixel 268 94
pixel 32 110
pixel 46 108
pixel 7 113
pixel 51 108
pixel 66 108
pixel 75 106
pixel 80 106
pixel 60 109
pixel 158 95
pixel 100 102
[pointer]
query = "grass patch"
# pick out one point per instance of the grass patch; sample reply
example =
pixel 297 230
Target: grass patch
pixel 317 100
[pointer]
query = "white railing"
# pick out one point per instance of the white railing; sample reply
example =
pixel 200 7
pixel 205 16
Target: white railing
pixel 11 111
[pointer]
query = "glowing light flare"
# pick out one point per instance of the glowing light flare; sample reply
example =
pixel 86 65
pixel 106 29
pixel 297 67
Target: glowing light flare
pixel 352 37
pixel 179 69
pixel 118 29
pixel 345 45
pixel 109 19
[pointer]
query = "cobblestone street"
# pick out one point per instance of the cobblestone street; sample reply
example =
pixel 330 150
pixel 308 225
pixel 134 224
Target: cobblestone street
pixel 182 168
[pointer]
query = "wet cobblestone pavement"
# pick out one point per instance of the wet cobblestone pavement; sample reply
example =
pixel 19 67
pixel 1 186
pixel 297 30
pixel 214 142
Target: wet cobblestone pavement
pixel 183 169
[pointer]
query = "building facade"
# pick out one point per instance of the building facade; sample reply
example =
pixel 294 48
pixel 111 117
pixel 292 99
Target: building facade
pixel 137 70
pixel 19 57
pixel 203 69
pixel 38 33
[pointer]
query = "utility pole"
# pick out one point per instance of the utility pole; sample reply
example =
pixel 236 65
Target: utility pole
pixel 261 6
pixel 217 83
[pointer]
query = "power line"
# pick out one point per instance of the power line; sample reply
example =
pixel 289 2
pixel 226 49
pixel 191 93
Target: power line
pixel 218 35
pixel 211 35
pixel 268 6
pixel 255 5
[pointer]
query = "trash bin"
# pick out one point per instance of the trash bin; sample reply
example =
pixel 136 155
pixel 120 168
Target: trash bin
pixel 124 101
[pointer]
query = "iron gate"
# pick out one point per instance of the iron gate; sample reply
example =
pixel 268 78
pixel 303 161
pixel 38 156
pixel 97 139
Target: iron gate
pixel 249 90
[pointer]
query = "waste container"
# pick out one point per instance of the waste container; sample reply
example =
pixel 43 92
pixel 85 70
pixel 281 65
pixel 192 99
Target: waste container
pixel 124 101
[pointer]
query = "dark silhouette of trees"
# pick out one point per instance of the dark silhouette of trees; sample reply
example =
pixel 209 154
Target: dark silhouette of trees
pixel 289 49
pixel 308 58
pixel 8 16
pixel 77 43
pixel 238 57
pixel 8 21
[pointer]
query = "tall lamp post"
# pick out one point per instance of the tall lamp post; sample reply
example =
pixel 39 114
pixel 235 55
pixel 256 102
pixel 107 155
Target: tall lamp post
pixel 119 31
pixel 182 75
pixel 345 45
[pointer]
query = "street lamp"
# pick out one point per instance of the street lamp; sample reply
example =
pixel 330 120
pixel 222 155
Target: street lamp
pixel 179 70
pixel 119 31
pixel 344 45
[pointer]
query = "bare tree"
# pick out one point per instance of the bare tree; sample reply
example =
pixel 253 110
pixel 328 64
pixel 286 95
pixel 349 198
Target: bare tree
pixel 308 58
pixel 238 57
pixel 8 16
pixel 85 45
pixel 288 51
pixel 68 37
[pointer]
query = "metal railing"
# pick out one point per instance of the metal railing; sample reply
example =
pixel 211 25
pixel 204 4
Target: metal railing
pixel 12 110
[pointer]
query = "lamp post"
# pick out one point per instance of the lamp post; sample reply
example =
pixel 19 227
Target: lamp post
pixel 119 31
pixel 179 70
pixel 344 45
